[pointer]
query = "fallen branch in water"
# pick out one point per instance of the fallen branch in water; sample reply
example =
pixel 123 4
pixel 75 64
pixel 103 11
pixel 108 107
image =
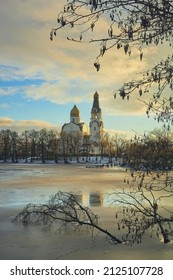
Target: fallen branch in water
pixel 63 209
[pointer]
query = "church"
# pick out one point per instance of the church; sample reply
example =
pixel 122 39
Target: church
pixel 85 139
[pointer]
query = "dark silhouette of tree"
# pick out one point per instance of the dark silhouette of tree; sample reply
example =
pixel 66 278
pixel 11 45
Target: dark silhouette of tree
pixel 152 150
pixel 33 136
pixel 86 147
pixel 65 145
pixel 119 141
pixel 25 142
pixel 129 23
pixel 62 209
pixel 75 145
pixel 42 142
pixel 52 144
pixel 14 146
pixel 6 143
pixel 143 207
pixel 140 210
pixel 104 144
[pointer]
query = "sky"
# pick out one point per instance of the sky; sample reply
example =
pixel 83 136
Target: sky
pixel 41 80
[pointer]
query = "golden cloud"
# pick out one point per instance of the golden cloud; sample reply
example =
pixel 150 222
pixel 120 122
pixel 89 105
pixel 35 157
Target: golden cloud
pixel 66 67
pixel 20 126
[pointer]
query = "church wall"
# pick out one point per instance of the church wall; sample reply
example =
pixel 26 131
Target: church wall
pixel 71 127
pixel 94 132
pixel 85 129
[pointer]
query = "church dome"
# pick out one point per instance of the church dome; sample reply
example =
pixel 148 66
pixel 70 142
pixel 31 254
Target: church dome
pixel 75 112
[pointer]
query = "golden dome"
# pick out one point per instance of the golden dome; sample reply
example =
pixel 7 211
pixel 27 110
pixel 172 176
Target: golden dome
pixel 75 112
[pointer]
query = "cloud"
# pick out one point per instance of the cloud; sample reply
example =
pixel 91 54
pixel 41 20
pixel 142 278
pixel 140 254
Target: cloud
pixel 133 107
pixel 124 134
pixel 20 126
pixel 65 68
pixel 8 91
pixel 4 105
pixel 5 122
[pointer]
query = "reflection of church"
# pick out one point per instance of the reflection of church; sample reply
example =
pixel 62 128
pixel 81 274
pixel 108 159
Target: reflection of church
pixel 90 199
pixel 77 129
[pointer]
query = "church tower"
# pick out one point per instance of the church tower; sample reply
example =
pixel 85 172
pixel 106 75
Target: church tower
pixel 75 115
pixel 96 123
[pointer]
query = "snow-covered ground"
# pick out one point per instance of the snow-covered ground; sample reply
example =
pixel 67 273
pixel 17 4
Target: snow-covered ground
pixel 24 183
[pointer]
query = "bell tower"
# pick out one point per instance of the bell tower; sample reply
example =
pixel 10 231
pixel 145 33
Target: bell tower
pixel 96 123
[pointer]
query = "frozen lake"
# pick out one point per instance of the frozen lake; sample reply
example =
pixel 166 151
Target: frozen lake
pixel 22 184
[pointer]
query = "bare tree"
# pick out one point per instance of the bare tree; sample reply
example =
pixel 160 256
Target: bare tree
pixel 143 207
pixel 152 150
pixel 119 141
pixel 65 139
pixel 52 144
pixel 104 144
pixel 159 81
pixel 43 141
pixel 6 143
pixel 33 135
pixel 75 144
pixel 86 146
pixel 62 209
pixel 129 23
pixel 14 146
pixel 25 144
pixel 139 209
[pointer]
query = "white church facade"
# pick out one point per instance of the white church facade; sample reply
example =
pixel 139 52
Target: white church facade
pixel 79 138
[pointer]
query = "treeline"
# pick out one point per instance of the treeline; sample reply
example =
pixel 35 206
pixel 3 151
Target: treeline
pixel 28 145
pixel 153 150
pixel 50 144
pixel 150 151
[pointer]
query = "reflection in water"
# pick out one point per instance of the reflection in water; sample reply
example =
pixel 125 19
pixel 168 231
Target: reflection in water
pixel 20 197
pixel 20 194
pixel 91 199
pixel 95 199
